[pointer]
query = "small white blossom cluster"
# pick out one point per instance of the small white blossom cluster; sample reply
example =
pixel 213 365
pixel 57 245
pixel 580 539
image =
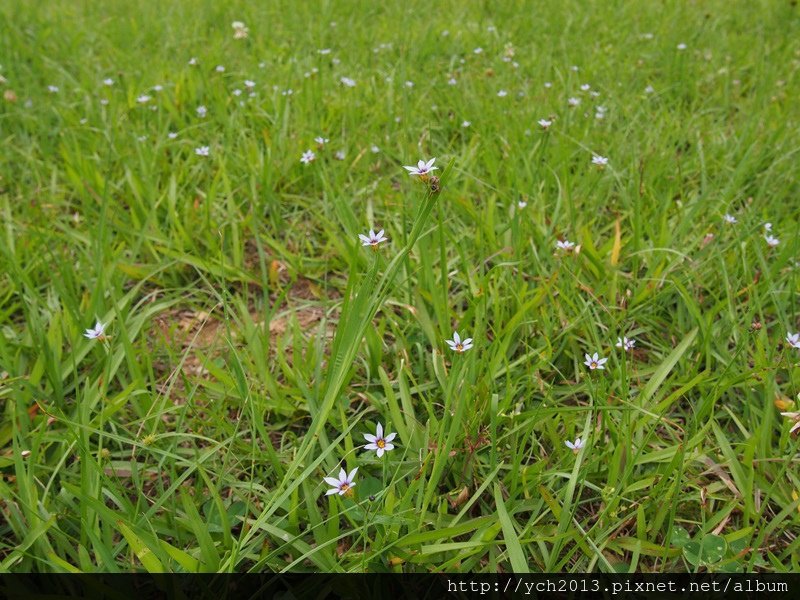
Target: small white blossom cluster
pixel 240 30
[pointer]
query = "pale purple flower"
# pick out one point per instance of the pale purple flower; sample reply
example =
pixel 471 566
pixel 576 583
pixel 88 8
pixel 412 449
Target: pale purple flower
pixel 372 239
pixel 594 361
pixel 565 245
pixel 793 339
pixel 379 442
pixel 575 446
pixel 457 344
pixel 307 157
pixel 422 168
pixel 626 343
pixel 97 333
pixel 343 485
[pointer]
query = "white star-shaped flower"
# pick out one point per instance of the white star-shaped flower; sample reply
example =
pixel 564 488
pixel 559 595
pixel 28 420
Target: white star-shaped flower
pixel 379 442
pixel 202 151
pixel 594 361
pixel 422 168
pixel 600 161
pixel 565 245
pixel 728 218
pixel 771 240
pixel 98 333
pixel 459 345
pixel 307 157
pixel 372 239
pixel 544 123
pixel 575 446
pixel 343 485
pixel 625 343
pixel 793 339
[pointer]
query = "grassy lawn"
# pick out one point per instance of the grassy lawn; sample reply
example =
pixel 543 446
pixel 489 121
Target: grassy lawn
pixel 605 170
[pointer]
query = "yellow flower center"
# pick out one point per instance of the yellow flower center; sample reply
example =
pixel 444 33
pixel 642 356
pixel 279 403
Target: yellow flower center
pixel 345 487
pixel 381 443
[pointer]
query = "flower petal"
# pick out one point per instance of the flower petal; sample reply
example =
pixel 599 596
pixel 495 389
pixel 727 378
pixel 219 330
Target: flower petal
pixel 389 437
pixel 370 438
pixel 333 491
pixel 379 431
